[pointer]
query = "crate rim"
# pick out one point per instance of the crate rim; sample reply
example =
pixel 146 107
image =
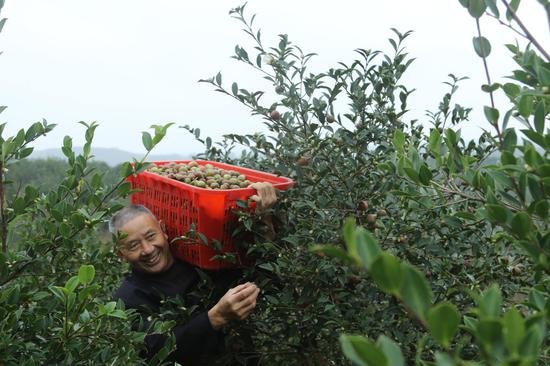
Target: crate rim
pixel 288 183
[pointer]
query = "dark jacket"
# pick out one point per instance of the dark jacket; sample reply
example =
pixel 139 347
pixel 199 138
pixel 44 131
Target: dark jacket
pixel 144 292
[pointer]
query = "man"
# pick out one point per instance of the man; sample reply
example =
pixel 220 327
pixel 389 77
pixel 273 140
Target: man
pixel 156 274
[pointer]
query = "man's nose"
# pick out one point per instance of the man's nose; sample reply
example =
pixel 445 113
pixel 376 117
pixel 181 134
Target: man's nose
pixel 147 248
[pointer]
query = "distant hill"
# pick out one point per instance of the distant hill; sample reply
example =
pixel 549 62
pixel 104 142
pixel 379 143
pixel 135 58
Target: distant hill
pixel 110 156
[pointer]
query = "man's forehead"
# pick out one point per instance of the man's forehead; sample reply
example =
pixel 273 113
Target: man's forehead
pixel 139 224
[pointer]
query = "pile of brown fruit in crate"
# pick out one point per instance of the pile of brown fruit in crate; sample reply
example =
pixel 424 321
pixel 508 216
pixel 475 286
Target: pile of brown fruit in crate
pixel 203 176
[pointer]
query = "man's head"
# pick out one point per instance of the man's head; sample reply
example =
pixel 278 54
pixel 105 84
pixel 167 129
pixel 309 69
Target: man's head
pixel 141 240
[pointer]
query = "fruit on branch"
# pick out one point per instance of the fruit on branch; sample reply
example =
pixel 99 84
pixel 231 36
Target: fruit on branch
pixel 371 218
pixel 303 161
pixel 275 114
pixel 363 206
pixel 330 118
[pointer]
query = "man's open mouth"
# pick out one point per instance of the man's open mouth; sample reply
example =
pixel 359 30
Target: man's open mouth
pixel 153 260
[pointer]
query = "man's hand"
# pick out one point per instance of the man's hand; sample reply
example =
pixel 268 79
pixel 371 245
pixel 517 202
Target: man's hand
pixel 237 303
pixel 266 196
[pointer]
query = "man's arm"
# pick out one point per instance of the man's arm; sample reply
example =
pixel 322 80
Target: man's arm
pixel 201 336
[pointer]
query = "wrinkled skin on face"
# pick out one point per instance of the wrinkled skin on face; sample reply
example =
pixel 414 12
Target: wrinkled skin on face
pixel 145 245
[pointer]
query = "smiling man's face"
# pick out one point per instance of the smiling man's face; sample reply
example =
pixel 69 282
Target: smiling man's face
pixel 145 245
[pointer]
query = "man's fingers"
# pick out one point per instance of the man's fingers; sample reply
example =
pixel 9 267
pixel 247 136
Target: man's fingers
pixel 237 291
pixel 248 304
pixel 266 194
pixel 246 313
pixel 244 293
pixel 239 288
pixel 246 301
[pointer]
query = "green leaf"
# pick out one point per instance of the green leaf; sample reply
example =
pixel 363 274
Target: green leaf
pixel 435 141
pixel 415 291
pixel 537 299
pixel 19 205
pixel 332 251
pixel 86 274
pixel 147 140
pixel 535 137
pixel 492 5
pixel 541 209
pixel 540 114
pixel 443 359
pixel 514 330
pixel 510 139
pixel 126 169
pixel 425 175
pixel 71 284
pixel 234 88
pixel 512 90
pixel 490 302
pixel 489 333
pixel 399 140
pixel 507 158
pixel 491 114
pixel 2 22
pixel 490 88
pixel 58 292
pixel 497 213
pixel 349 236
pixel 391 350
pixel 65 230
pixel 451 137
pixel 71 300
pixel 23 153
pixel 443 321
pixel 531 342
pixel 521 225
pixel 386 272
pixel 525 105
pixel 118 314
pixel 482 46
pixel 367 247
pixel 7 148
pixel 412 174
pixel 361 351
pixel 476 8
pixel 514 4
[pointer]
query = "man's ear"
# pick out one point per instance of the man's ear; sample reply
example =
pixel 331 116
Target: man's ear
pixel 163 228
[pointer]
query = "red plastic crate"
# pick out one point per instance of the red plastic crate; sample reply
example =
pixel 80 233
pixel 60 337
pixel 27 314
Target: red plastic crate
pixel 180 205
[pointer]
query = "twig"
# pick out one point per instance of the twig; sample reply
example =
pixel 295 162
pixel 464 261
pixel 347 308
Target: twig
pixel 484 57
pixel 3 223
pixel 507 25
pixel 526 31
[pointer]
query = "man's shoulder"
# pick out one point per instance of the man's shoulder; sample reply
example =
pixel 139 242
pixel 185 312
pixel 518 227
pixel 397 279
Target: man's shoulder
pixel 127 292
pixel 137 288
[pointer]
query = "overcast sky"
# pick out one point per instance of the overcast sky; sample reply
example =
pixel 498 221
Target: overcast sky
pixel 131 63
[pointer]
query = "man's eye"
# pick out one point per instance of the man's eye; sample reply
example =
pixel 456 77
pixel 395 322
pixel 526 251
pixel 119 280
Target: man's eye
pixel 152 236
pixel 133 245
